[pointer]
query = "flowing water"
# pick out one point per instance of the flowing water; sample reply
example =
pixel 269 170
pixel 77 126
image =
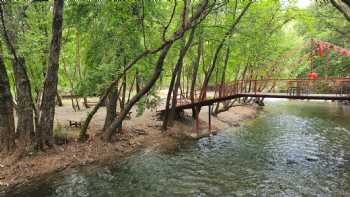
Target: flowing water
pixel 294 148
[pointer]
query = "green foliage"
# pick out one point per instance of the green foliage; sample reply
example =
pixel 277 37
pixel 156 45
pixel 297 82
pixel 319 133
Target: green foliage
pixel 323 22
pixel 101 37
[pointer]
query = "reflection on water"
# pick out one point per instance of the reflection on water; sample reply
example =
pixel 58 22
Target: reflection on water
pixel 292 149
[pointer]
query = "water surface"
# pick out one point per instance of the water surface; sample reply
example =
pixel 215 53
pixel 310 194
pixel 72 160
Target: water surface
pixel 294 148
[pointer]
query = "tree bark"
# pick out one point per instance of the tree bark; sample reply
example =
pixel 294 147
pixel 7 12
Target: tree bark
pixel 178 79
pixel 122 102
pixel 25 124
pixel 138 81
pixel 198 15
pixel 78 67
pixel 222 83
pixel 7 122
pixel 175 83
pixel 194 73
pixel 59 100
pixel 111 107
pixel 25 105
pixel 343 6
pixel 47 108
pixel 157 71
pixel 218 49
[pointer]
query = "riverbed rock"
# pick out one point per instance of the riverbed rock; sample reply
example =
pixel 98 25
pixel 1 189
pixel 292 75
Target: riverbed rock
pixel 139 131
pixel 4 184
pixel 291 162
pixel 236 124
pixel 311 158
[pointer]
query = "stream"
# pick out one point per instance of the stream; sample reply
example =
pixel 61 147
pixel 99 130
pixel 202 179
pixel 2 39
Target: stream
pixel 293 148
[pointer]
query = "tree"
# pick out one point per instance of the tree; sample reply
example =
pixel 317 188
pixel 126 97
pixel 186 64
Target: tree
pixel 199 14
pixel 7 122
pixel 47 108
pixel 342 6
pixel 25 104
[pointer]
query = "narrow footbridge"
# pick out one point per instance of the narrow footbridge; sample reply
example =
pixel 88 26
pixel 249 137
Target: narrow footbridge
pixel 313 89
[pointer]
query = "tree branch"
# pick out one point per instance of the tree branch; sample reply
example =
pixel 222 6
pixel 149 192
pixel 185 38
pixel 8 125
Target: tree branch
pixel 343 8
pixel 170 20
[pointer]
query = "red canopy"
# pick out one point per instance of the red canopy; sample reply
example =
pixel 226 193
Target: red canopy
pixel 312 75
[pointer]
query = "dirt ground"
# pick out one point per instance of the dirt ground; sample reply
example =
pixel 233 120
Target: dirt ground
pixel 138 132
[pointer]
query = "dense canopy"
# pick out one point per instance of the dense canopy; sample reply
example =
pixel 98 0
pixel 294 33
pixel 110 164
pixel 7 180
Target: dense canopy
pixel 126 52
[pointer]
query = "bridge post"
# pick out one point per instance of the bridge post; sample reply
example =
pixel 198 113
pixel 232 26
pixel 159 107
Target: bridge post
pixel 209 117
pixel 197 118
pixel 298 88
pixel 255 86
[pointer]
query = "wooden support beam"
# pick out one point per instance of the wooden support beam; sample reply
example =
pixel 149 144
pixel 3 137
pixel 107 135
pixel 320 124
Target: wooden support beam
pixel 197 119
pixel 209 116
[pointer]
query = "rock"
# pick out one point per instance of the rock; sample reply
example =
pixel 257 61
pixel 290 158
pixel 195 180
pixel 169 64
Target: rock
pixel 2 166
pixel 311 158
pixel 290 162
pixel 140 131
pixel 4 184
pixel 236 124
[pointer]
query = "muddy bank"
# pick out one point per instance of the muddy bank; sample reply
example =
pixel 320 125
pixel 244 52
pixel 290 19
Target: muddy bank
pixel 139 133
pixel 230 118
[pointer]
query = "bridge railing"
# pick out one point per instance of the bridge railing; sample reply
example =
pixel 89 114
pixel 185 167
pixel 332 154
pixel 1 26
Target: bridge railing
pixel 291 87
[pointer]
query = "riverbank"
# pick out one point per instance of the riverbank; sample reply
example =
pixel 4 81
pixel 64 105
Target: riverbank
pixel 139 132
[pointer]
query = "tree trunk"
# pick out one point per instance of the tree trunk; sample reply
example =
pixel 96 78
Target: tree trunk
pixel 7 122
pixel 83 136
pixel 85 102
pixel 47 108
pixel 157 71
pixel 222 83
pixel 194 73
pixel 111 107
pixel 131 88
pixel 167 103
pixel 178 80
pixel 59 100
pixel 197 16
pixel 25 105
pixel 343 6
pixel 122 102
pixel 78 67
pixel 218 49
pixel 138 81
pixel 25 124
pixel 173 87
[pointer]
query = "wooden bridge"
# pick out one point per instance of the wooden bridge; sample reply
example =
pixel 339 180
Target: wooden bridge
pixel 313 89
pixel 303 89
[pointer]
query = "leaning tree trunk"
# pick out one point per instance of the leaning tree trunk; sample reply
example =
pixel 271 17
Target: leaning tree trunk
pixel 198 15
pixel 47 109
pixel 218 49
pixel 175 82
pixel 7 122
pixel 178 79
pixel 157 71
pixel 170 90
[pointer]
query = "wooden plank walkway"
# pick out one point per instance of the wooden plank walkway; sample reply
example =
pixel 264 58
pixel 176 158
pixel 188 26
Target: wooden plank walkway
pixel 210 101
